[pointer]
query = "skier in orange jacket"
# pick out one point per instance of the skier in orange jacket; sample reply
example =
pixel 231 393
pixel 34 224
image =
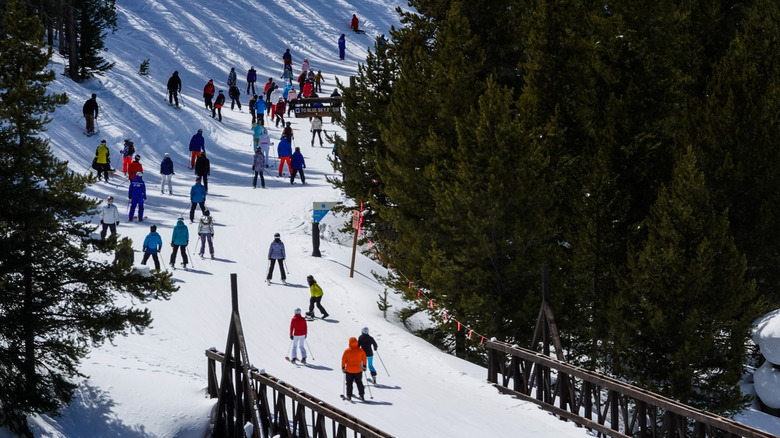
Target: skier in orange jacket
pixel 353 363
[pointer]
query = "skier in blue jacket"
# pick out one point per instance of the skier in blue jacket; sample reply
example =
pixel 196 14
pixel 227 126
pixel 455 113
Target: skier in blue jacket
pixel 180 239
pixel 197 145
pixel 197 197
pixel 284 149
pixel 298 164
pixel 260 110
pixel 137 195
pixel 152 245
pixel 166 170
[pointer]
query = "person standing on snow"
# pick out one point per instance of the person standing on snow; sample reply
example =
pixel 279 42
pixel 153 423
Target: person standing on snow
pixel 265 144
pixel 260 109
pixel 137 195
pixel 298 331
pixel 353 363
pixel 287 74
pixel 316 129
pixel 102 161
pixel 305 65
pixel 301 81
pixel 252 107
pixel 280 107
pixel 90 111
pixel 203 170
pixel 316 297
pixel 166 174
pixel 109 217
pixel 231 79
pixel 284 149
pixel 258 163
pixel 180 239
pixel 308 89
pixel 134 168
pixel 234 94
pixel 128 149
pixel 292 95
pixel 318 81
pixel 174 88
pixel 287 132
pixel 287 58
pixel 197 146
pixel 208 94
pixel 197 198
pixel 152 245
pixel 298 164
pixel 269 88
pixel 251 78
pixel 276 254
pixel 342 46
pixel 206 233
pixel 365 341
pixel 354 24
pixel 217 109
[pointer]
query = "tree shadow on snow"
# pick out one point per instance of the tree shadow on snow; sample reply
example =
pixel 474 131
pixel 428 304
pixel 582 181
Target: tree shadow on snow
pixel 90 414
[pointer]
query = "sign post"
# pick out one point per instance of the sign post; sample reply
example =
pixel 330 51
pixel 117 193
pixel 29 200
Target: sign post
pixel 320 209
pixel 356 227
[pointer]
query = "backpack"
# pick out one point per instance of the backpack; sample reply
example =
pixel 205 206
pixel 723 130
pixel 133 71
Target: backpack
pixel 287 133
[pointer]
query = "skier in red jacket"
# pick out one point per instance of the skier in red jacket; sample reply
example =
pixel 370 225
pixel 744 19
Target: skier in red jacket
pixel 298 336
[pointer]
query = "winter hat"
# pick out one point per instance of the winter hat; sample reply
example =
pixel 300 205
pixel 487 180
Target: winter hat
pixel 153 228
pixel 310 279
pixel 220 91
pixel 167 155
pixel 137 157
pixel 197 179
pixel 110 199
pixel 276 235
pixel 252 68
pixel 103 141
pixel 298 311
pixel 141 174
pixel 200 131
pixel 288 123
pixel 364 331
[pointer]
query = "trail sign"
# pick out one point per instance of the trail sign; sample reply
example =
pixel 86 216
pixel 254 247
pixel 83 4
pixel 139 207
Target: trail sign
pixel 321 209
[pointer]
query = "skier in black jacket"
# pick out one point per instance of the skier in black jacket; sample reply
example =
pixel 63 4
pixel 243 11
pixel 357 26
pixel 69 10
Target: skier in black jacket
pixel 203 169
pixel 365 341
pixel 174 88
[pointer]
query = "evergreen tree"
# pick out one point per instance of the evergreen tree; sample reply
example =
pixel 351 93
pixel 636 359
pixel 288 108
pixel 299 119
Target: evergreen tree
pixel 687 307
pixel 58 290
pixel 96 17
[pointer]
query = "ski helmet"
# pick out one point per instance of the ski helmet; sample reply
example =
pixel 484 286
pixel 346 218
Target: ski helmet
pixel 167 155
pixel 364 331
pixel 310 279
pixel 103 141
pixel 137 157
pixel 277 235
pixel 153 228
pixel 110 199
pixel 298 311
pixel 200 131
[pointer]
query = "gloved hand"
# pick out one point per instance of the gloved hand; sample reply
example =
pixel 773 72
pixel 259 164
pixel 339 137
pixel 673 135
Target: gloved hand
pixel 364 367
pixel 144 198
pixel 304 336
pixel 291 336
pixel 253 167
pixel 212 234
pixel 344 370
pixel 101 222
pixel 171 244
pixel 129 197
pixel 173 173
pixel 117 222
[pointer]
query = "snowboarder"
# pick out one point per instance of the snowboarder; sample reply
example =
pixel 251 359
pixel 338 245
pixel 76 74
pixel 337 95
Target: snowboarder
pixel 298 164
pixel 234 94
pixel 134 167
pixel 174 88
pixel 231 79
pixel 316 129
pixel 102 161
pixel 316 297
pixel 218 106
pixel 197 198
pixel 166 172
pixel 206 233
pixel 280 107
pixel 342 46
pixel 180 239
pixel 305 66
pixel 208 94
pixel 318 81
pixel 109 217
pixel 90 111
pixel 276 254
pixel 197 146
pixel 127 155
pixel 203 170
pixel 365 341
pixel 251 78
pixel 353 363
pixel 287 58
pixel 258 164
pixel 354 24
pixel 137 195
pixel 152 245
pixel 284 150
pixel 298 331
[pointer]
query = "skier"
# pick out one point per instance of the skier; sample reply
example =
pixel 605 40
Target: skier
pixel 265 144
pixel 137 195
pixel 353 362
pixel 310 76
pixel 197 197
pixel 318 81
pixel 269 88
pixel 180 239
pixel 280 107
pixel 102 162
pixel 231 79
pixel 298 331
pixel 258 163
pixel 308 89
pixel 260 110
pixel 134 167
pixel 152 245
pixel 257 131
pixel 287 74
pixel 252 105
pixel 218 106
pixel 316 129
pixel 166 173
pixel 316 297
pixel 287 58
pixel 203 170
pixel 298 164
pixel 301 81
pixel 365 341
pixel 206 233
pixel 287 132
pixel 276 254
pixel 174 88
pixel 208 94
pixel 197 145
pixel 234 94
pixel 292 95
pixel 354 24
pixel 127 155
pixel 305 65
pixel 90 111
pixel 342 46
pixel 251 78
pixel 284 149
pixel 109 217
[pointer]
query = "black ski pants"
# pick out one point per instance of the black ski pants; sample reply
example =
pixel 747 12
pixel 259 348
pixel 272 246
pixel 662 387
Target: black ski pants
pixel 184 258
pixel 154 257
pixel 192 209
pixel 356 378
pixel 316 301
pixel 262 180
pixel 281 269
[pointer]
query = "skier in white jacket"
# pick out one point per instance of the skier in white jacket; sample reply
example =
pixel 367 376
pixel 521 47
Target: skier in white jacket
pixel 206 233
pixel 109 217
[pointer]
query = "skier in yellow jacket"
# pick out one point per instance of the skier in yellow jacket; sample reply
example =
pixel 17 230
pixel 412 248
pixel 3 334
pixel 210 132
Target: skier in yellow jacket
pixel 316 297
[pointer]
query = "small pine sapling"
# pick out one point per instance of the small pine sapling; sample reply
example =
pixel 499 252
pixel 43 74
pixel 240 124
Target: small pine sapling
pixel 144 69
pixel 383 304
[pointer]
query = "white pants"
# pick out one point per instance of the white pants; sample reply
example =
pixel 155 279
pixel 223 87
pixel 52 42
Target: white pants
pixel 167 178
pixel 298 342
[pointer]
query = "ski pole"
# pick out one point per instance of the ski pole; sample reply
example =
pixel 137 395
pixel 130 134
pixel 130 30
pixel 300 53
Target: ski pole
pixel 162 259
pixel 289 349
pixel 197 242
pixel 344 384
pixel 192 259
pixel 311 353
pixel 382 362
pixel 370 394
